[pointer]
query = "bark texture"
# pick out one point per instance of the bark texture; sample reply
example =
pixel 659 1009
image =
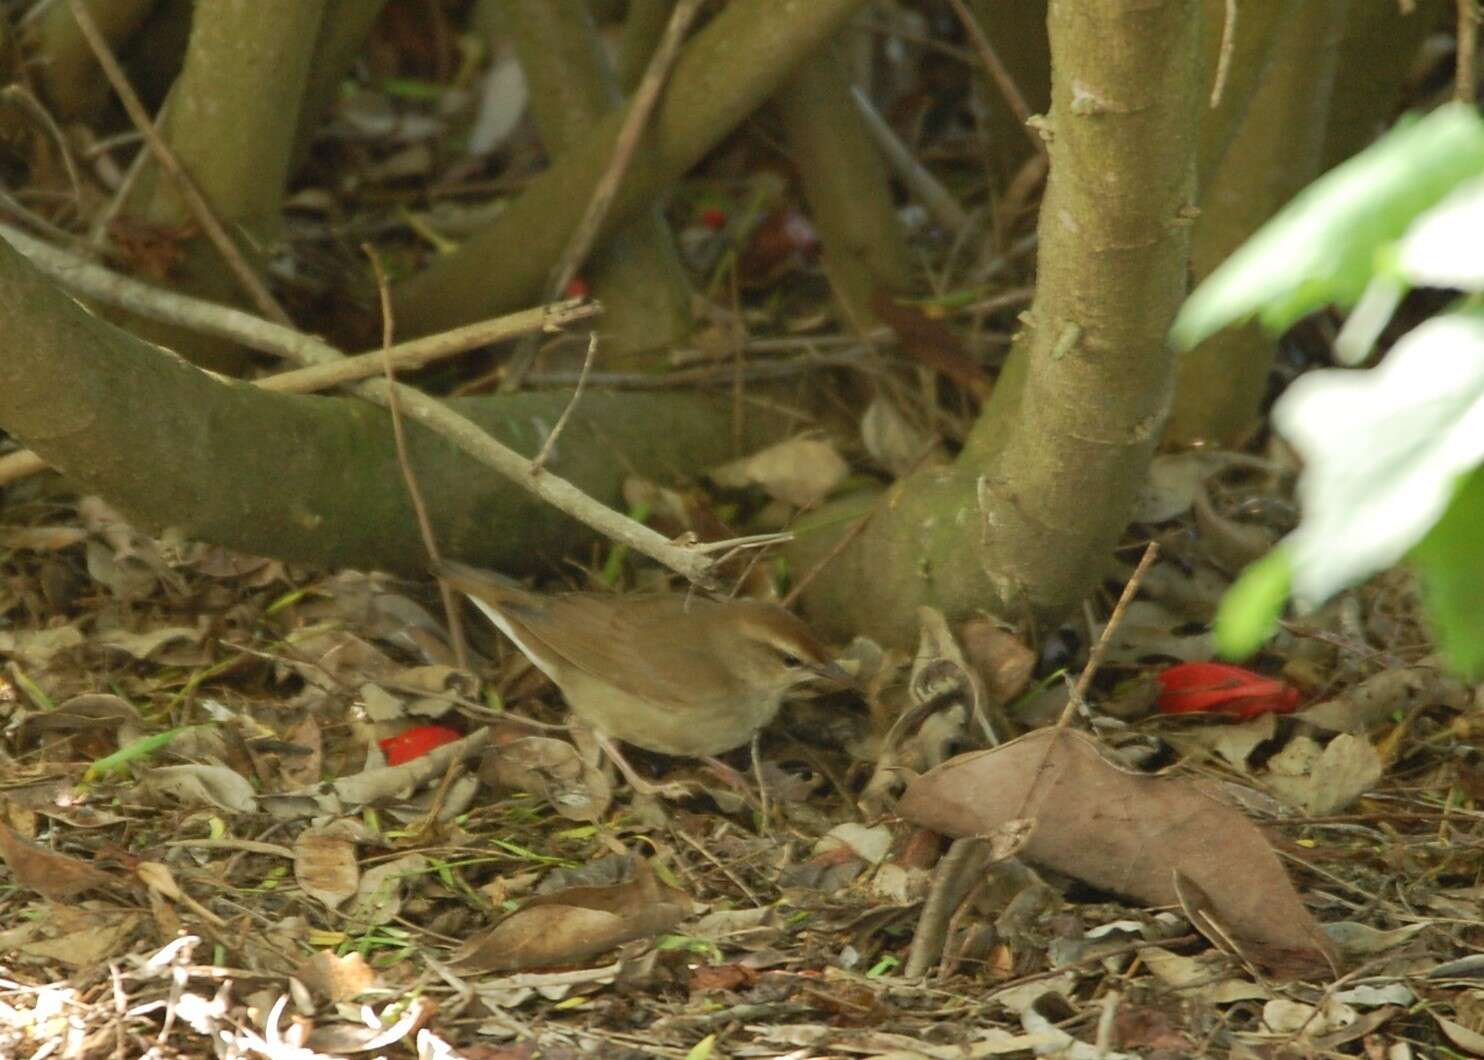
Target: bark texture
pixel 1275 152
pixel 724 73
pixel 312 479
pixel 635 272
pixel 1023 522
pixel 847 188
pixel 71 79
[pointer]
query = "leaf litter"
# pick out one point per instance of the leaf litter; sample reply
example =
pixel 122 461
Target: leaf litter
pixel 266 882
pixel 465 855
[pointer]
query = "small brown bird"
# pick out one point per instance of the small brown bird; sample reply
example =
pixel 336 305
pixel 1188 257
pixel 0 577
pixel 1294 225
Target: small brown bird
pixel 669 672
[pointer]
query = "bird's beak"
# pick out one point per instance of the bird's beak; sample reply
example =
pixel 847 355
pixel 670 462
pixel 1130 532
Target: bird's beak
pixel 833 671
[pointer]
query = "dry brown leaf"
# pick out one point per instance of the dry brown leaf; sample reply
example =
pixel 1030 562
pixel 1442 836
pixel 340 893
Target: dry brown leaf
pixel 89 712
pixel 552 769
pixel 891 440
pixel 1002 660
pixel 49 874
pixel 144 644
pixel 34 648
pixel 336 978
pixel 379 897
pixel 41 538
pixel 1324 782
pixel 577 923
pixel 105 937
pixel 340 1039
pixel 1129 833
pixel 389 782
pixel 802 471
pixel 1377 698
pixel 303 769
pixel 931 342
pixel 202 784
pixel 325 865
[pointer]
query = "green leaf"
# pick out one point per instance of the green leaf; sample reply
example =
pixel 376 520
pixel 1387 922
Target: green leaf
pixel 139 749
pixel 1249 611
pixel 1450 564
pixel 1321 247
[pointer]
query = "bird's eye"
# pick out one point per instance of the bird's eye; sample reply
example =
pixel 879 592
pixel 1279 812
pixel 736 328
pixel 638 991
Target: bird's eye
pixel 792 661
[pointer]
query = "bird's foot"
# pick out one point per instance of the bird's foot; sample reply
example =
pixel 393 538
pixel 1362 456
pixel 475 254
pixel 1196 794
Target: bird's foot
pixel 673 790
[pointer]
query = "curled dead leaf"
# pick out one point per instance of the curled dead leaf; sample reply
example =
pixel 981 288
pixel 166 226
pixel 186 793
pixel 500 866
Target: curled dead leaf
pixel 1129 833
pixel 577 923
pixel 48 873
pixel 802 471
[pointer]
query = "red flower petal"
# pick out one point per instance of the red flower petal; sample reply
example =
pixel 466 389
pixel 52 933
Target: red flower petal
pixel 1205 686
pixel 416 742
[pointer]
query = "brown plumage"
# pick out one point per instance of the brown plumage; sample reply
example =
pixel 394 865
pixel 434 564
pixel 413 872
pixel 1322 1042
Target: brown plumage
pixel 675 673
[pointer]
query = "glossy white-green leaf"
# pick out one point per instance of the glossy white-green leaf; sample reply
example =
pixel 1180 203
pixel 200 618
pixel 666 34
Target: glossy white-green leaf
pixel 1445 246
pixel 1321 248
pixel 1383 450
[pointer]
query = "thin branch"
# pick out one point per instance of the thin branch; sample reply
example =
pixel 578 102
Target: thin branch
pixel 1094 660
pixel 1100 649
pixel 474 441
pixel 96 281
pixel 325 365
pixel 416 353
pixel 997 72
pixel 938 200
pixel 580 245
pixel 22 97
pixel 200 209
pixel 414 491
pixel 561 424
pixel 645 97
pixel 1466 77
pixel 1224 60
pixel 558 492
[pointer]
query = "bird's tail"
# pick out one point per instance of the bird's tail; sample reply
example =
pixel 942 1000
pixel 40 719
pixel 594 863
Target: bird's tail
pixel 486 585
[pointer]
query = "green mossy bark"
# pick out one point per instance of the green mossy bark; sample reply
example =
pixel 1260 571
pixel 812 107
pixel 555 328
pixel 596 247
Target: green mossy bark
pixel 1022 523
pixel 233 114
pixel 1381 44
pixel 847 188
pixel 231 123
pixel 342 36
pixel 71 79
pixel 635 272
pixel 1275 152
pixel 1259 25
pixel 643 27
pixel 724 73
pixel 313 479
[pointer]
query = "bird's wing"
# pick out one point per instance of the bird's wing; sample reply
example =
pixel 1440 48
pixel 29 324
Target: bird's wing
pixel 602 640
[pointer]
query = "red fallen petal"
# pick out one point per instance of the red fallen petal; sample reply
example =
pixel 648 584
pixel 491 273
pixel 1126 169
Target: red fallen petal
pixel 714 219
pixel 1204 686
pixel 577 287
pixel 416 742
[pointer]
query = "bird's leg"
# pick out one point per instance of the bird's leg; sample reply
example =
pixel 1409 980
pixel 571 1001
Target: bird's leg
pixel 671 790
pixel 738 782
pixel 730 777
